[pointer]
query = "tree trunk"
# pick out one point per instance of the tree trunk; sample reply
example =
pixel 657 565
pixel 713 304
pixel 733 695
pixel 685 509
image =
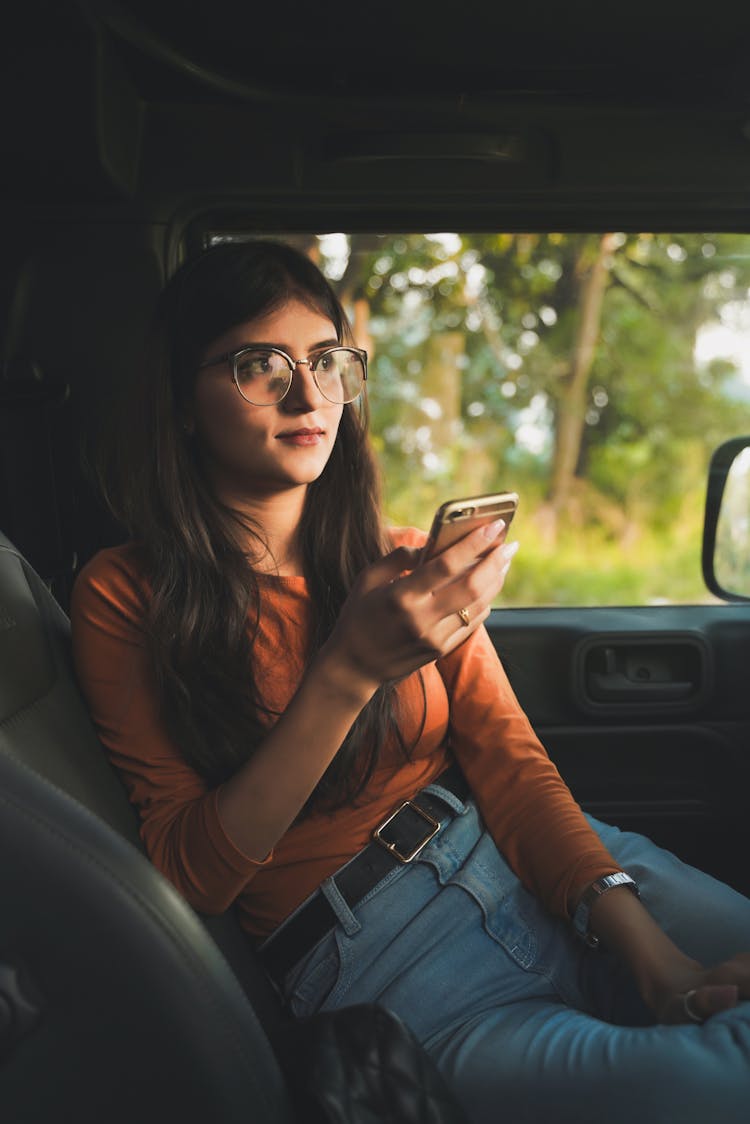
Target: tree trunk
pixel 438 408
pixel 571 411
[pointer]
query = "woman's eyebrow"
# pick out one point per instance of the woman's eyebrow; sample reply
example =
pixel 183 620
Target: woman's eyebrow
pixel 285 347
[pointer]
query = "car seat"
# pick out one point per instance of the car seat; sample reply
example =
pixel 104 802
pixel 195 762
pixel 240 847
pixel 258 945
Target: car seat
pixel 117 1001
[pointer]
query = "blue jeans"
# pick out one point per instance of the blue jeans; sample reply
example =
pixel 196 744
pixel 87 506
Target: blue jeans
pixel 524 1020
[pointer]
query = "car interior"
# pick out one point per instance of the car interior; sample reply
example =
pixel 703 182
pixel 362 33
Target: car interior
pixel 134 136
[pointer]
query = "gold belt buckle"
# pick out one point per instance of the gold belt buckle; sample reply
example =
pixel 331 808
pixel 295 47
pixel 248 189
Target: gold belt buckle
pixel 434 825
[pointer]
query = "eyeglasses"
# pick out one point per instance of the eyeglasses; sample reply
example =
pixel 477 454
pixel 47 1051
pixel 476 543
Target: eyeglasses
pixel 263 375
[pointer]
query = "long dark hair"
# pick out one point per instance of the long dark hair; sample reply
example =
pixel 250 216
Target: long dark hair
pixel 204 606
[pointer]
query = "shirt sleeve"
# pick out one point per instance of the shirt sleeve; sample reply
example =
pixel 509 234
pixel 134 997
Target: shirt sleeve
pixel 180 824
pixel 527 806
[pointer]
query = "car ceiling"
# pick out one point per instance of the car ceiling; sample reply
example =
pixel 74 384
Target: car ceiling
pixel 423 48
pixel 392 113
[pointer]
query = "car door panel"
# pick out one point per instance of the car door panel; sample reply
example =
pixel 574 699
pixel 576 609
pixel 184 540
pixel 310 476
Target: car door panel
pixel 675 766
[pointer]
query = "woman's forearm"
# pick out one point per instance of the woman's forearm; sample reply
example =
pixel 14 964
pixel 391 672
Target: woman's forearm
pixel 398 617
pixel 624 925
pixel 262 799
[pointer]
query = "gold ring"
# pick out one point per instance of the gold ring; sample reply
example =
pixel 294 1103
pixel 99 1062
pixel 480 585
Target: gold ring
pixel 464 615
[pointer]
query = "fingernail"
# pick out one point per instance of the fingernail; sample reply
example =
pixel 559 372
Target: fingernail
pixel 508 549
pixel 492 530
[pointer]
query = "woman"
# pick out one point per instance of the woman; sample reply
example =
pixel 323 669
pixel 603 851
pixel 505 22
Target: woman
pixel 274 674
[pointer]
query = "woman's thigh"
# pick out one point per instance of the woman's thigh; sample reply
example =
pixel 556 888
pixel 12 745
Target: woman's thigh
pixel 540 1061
pixel 526 1022
pixel 599 1057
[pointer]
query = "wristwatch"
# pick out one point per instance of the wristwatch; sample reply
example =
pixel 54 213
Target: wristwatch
pixel 590 895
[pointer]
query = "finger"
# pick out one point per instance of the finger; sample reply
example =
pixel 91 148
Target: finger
pixel 716 997
pixel 458 631
pixel 699 1004
pixel 473 615
pixel 507 552
pixel 479 583
pixel 456 559
pixel 480 586
pixel 389 567
pixel 733 971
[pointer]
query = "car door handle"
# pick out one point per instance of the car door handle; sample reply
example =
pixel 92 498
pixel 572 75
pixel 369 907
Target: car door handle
pixel 629 675
pixel 653 670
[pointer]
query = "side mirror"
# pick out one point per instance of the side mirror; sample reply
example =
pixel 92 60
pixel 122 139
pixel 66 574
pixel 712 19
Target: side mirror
pixel 726 526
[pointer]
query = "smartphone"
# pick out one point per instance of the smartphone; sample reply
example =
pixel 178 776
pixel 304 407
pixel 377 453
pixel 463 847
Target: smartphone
pixel 456 518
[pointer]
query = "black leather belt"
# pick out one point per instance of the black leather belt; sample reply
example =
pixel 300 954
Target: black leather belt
pixel 398 839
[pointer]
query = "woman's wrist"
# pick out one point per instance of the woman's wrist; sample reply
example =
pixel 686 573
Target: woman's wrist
pixel 586 899
pixel 338 677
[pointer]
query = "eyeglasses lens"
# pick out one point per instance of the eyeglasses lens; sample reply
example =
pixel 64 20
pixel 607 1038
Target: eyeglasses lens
pixel 340 375
pixel 263 376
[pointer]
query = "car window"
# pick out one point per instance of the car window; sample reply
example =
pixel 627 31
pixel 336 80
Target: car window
pixel 592 372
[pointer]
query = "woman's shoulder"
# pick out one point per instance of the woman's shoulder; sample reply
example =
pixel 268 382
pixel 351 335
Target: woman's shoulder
pixel 116 563
pixel 407 536
pixel 116 575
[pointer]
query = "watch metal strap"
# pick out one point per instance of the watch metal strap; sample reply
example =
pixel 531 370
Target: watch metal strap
pixel 590 895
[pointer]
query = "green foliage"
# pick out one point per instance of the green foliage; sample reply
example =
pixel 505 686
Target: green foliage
pixel 474 339
pixel 587 566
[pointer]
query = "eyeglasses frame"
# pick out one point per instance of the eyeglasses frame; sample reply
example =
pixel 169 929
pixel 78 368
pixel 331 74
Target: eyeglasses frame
pixel 312 365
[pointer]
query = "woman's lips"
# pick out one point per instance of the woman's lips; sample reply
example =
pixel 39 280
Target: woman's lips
pixel 302 436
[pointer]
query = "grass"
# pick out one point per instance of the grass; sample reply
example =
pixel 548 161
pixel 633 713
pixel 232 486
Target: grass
pixel 586 568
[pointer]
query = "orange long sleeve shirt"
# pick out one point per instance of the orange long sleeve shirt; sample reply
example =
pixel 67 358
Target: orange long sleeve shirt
pixel 469 711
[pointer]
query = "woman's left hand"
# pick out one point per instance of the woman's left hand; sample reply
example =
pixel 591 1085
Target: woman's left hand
pixel 674 986
pixel 701 993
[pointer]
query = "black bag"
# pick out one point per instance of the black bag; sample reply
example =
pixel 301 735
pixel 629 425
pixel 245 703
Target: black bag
pixel 363 1065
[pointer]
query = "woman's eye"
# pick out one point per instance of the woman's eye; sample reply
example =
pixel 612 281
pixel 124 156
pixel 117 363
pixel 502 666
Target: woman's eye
pixel 254 366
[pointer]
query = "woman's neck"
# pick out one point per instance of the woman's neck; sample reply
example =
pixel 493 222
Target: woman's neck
pixel 277 518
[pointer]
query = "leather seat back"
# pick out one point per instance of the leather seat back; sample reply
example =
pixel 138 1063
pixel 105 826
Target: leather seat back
pixel 115 1002
pixel 43 718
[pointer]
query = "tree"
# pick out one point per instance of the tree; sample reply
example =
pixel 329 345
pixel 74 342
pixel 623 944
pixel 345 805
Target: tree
pixel 561 363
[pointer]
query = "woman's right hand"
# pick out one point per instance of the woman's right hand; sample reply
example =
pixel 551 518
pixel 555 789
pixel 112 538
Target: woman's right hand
pixel 398 616
pixel 401 615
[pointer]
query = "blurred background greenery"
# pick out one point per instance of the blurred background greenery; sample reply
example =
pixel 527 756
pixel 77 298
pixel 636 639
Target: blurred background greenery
pixel 592 373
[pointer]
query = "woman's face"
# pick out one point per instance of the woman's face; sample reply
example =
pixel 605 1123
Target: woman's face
pixel 254 452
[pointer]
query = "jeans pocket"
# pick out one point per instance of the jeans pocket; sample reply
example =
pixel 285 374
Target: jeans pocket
pixel 311 986
pixel 511 915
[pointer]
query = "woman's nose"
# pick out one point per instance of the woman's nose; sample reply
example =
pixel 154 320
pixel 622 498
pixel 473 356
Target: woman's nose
pixel 303 394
